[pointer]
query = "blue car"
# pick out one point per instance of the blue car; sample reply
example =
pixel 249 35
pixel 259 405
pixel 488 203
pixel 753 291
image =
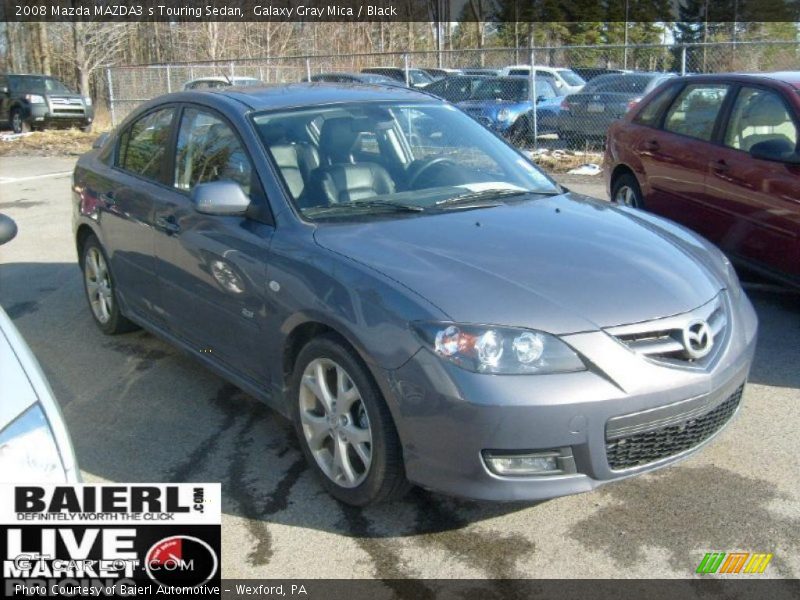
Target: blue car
pixel 503 104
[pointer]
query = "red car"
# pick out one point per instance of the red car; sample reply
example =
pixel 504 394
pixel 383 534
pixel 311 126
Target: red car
pixel 719 154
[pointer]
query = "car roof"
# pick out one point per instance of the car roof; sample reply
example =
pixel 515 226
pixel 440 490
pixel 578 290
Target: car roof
pixel 791 78
pixel 296 95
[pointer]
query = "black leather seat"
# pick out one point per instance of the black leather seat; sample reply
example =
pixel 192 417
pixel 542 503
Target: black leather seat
pixel 339 178
pixel 296 160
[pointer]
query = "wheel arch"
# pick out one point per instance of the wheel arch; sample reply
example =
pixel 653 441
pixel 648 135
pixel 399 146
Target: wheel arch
pixel 83 233
pixel 619 170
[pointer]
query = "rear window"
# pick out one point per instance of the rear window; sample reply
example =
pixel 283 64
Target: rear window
pixel 622 84
pixel 650 114
pixel 571 77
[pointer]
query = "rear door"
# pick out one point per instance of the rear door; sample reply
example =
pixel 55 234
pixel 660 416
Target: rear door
pixel 212 269
pixel 127 197
pixel 757 200
pixel 675 157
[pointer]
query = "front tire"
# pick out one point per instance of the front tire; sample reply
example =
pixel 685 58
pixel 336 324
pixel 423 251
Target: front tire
pixel 98 283
pixel 345 429
pixel 18 122
pixel 626 191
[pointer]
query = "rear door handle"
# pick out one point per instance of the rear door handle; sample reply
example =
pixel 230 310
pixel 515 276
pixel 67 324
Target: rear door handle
pixel 651 145
pixel 720 166
pixel 168 224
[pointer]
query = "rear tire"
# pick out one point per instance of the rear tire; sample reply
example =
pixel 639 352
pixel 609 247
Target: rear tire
pixel 344 427
pixel 98 283
pixel 625 191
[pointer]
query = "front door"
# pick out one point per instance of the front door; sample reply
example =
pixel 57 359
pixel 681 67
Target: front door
pixel 759 198
pixel 212 269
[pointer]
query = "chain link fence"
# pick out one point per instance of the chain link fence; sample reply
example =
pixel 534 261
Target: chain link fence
pixel 577 91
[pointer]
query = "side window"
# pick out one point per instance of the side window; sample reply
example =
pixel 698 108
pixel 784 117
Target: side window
pixel 143 146
pixel 760 116
pixel 208 150
pixel 695 110
pixel 650 113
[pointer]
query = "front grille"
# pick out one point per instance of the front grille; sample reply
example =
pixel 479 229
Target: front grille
pixel 663 442
pixel 662 339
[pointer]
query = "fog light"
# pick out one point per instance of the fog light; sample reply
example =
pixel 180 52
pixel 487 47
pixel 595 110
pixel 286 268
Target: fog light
pixel 517 463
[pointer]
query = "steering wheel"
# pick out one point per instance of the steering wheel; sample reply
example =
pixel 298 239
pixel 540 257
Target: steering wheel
pixel 424 165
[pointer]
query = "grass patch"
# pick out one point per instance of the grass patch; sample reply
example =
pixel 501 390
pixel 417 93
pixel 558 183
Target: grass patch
pixel 50 142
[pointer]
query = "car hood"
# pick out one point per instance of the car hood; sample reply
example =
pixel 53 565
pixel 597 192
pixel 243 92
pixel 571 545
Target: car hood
pixel 561 264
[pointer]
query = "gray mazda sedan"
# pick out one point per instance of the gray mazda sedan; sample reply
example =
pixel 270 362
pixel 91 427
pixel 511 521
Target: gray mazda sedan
pixel 426 305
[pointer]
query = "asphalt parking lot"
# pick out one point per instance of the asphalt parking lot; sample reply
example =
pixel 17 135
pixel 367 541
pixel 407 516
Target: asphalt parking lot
pixel 140 411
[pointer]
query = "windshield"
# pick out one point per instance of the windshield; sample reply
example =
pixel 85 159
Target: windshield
pixel 363 159
pixel 38 85
pixel 508 89
pixel 571 77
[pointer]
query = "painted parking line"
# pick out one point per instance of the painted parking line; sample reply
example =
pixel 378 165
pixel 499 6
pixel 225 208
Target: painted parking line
pixel 32 177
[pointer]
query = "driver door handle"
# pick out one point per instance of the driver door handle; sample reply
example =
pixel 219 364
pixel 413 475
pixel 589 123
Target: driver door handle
pixel 651 145
pixel 720 166
pixel 168 224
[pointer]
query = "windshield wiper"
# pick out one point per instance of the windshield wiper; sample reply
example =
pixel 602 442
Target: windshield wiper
pixel 359 205
pixel 479 197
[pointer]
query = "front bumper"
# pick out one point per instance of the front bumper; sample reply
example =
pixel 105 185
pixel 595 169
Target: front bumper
pixel 447 416
pixel 590 125
pixel 45 113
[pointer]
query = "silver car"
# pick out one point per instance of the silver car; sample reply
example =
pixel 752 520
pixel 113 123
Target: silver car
pixel 35 446
pixel 421 300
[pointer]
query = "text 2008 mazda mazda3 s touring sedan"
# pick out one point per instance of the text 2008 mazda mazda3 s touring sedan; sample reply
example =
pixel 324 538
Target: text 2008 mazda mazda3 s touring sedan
pixel 423 302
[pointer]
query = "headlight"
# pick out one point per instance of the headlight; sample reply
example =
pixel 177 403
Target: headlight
pixel 732 278
pixel 499 350
pixel 28 451
pixel 503 114
pixel 87 101
pixel 34 98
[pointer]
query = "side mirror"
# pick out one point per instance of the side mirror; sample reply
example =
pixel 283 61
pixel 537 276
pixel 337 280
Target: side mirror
pixel 220 198
pixel 540 99
pixel 777 150
pixel 8 229
pixel 100 141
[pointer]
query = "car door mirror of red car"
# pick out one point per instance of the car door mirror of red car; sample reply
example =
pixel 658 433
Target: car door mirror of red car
pixel 220 198
pixel 776 150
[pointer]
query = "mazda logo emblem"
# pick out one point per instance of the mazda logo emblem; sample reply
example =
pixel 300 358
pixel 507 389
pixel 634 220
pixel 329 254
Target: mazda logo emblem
pixel 697 339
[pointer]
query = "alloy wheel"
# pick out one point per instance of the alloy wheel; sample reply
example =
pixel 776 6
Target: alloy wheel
pixel 98 285
pixel 335 423
pixel 626 196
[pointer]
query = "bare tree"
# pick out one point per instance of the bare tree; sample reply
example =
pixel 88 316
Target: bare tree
pixel 92 46
pixel 44 46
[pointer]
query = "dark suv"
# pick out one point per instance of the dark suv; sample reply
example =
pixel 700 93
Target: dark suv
pixel 36 101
